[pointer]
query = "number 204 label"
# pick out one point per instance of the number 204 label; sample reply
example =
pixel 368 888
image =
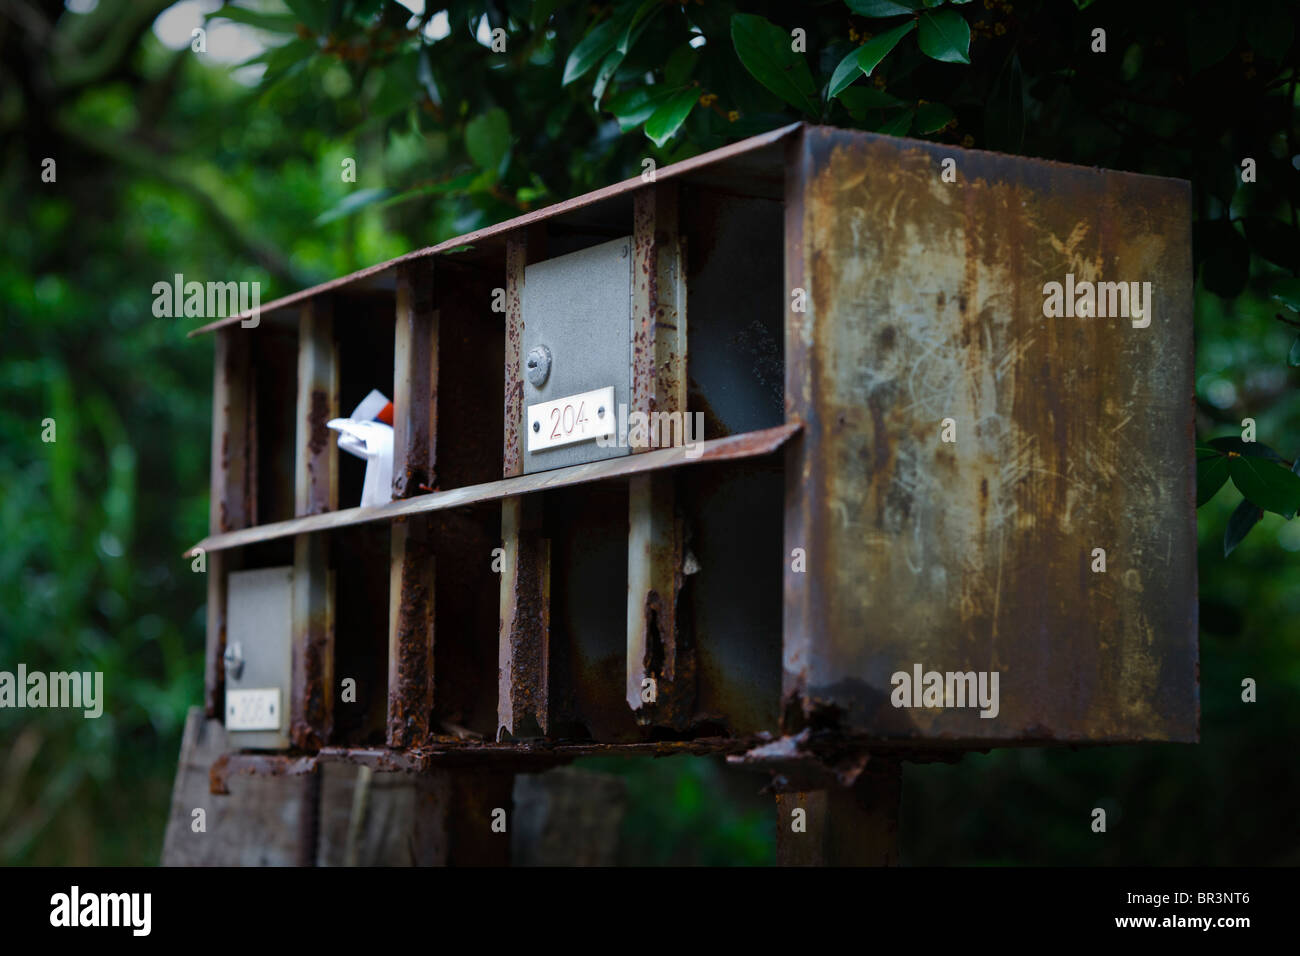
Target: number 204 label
pixel 563 421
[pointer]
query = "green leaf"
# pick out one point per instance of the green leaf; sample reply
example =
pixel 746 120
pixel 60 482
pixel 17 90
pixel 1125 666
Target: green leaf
pixel 899 126
pixel 605 74
pixel 1275 240
pixel 311 13
pixel 1287 291
pixel 932 116
pixel 883 8
pixel 487 137
pixel 271 22
pixel 591 49
pixel 844 74
pixel 638 22
pixel 1004 112
pixel 633 107
pixel 665 120
pixel 386 196
pixel 1293 357
pixel 944 36
pixel 1269 485
pixel 1226 258
pixel 1211 473
pixel 869 98
pixel 353 202
pixel 1245 517
pixel 1251 449
pixel 424 74
pixel 1270 29
pixel 877 48
pixel 765 51
pixel 541 12
pixel 858 99
pixel 1211 34
pixel 680 64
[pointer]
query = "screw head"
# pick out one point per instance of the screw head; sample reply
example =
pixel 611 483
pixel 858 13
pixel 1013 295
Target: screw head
pixel 600 412
pixel 537 426
pixel 537 366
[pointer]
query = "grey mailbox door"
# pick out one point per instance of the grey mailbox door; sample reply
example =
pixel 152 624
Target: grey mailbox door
pixel 259 622
pixel 578 319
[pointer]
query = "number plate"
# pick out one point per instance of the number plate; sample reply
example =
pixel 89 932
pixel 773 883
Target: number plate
pixel 563 421
pixel 253 709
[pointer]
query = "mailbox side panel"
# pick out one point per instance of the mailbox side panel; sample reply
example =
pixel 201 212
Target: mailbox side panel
pixel 925 303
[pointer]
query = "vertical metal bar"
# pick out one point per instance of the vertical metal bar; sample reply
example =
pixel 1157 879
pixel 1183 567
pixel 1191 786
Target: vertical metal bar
pixel 411 572
pixel 311 701
pixel 802 591
pixel 230 503
pixel 658 304
pixel 660 672
pixel 415 381
pixel 523 647
pixel 410 634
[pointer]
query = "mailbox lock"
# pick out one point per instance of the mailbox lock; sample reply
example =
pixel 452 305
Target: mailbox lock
pixel 234 658
pixel 538 365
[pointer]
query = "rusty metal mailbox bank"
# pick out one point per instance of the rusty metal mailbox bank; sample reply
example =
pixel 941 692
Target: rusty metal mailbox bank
pixel 823 450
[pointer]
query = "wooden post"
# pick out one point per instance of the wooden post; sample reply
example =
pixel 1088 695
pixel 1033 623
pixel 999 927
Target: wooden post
pixel 315 491
pixel 455 815
pixel 660 672
pixel 842 826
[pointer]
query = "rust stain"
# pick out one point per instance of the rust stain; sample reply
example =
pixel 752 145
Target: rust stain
pixel 318 435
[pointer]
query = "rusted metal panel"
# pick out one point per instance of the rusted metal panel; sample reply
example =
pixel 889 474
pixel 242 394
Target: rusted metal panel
pixel 660 668
pixel 658 306
pixel 517 252
pixel 230 505
pixel 925 302
pixel 311 702
pixel 227 504
pixel 411 633
pixel 524 643
pixel 734 448
pixel 311 697
pixel 316 454
pixel 411 574
pixel 415 382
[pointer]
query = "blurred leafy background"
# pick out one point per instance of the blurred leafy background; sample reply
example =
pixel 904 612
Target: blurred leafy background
pixel 226 163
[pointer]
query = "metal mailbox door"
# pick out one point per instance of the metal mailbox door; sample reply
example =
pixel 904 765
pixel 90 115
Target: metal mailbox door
pixel 259 625
pixel 577 355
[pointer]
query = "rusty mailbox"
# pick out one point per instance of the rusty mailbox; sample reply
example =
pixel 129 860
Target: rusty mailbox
pixel 823 450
